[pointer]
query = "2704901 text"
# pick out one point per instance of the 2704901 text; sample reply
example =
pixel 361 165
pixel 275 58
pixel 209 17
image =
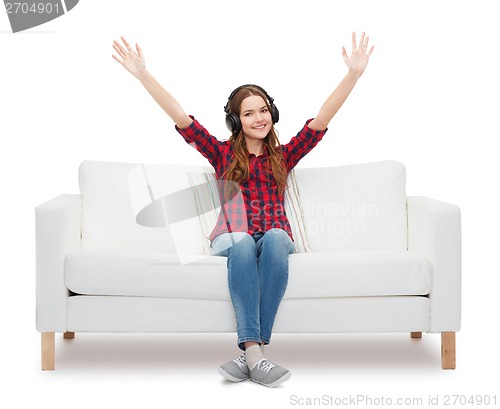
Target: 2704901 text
pixel 35 8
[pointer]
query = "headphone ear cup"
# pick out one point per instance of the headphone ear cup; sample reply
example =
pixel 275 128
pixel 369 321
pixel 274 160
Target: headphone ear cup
pixel 275 113
pixel 233 122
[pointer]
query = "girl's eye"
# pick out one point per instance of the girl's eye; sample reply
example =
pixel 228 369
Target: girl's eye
pixel 248 114
pixel 264 110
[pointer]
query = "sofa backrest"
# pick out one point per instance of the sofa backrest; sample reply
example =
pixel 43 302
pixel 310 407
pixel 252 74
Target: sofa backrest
pixel 172 209
pixel 354 207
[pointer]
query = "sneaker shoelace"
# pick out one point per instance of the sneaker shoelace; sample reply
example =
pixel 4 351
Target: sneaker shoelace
pixel 265 365
pixel 240 361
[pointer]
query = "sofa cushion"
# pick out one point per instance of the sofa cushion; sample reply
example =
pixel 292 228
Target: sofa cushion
pixel 139 208
pixel 311 275
pixel 359 273
pixel 355 207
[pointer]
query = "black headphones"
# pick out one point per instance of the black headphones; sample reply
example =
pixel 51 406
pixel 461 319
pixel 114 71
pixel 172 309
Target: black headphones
pixel 233 121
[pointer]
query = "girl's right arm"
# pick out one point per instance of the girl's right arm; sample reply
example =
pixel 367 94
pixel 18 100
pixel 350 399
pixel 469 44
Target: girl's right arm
pixel 135 63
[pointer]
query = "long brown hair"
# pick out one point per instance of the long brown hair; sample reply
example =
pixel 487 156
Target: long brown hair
pixel 238 171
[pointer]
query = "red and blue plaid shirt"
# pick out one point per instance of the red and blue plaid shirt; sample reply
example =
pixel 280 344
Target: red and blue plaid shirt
pixel 259 207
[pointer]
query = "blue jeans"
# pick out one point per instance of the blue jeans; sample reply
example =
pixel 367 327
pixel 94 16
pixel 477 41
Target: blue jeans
pixel 257 275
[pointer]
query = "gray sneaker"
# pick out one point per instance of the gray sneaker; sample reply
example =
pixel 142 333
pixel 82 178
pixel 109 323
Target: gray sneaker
pixel 268 374
pixel 235 370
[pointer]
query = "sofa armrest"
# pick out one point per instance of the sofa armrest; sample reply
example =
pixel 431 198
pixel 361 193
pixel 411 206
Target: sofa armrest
pixel 58 231
pixel 434 230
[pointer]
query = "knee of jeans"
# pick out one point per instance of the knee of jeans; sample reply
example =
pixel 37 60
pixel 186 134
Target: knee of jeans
pixel 282 236
pixel 277 232
pixel 225 241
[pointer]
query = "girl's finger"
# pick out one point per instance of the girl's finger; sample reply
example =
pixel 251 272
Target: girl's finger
pixel 362 40
pixel 119 50
pixel 118 47
pixel 344 55
pixel 370 52
pixel 353 40
pixel 139 49
pixel 365 45
pixel 126 44
pixel 117 59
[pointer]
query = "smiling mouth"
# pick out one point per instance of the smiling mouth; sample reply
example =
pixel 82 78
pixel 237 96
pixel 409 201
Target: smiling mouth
pixel 259 127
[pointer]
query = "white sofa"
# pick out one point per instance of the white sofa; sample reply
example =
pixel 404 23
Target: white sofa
pixel 130 253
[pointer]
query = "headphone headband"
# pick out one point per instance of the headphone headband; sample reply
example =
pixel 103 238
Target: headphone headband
pixel 233 121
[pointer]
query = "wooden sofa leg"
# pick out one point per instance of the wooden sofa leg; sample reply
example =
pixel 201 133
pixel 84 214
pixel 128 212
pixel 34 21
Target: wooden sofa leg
pixel 448 354
pixel 416 335
pixel 69 335
pixel 48 351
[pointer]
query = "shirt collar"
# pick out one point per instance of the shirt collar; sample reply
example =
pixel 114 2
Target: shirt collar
pixel 264 153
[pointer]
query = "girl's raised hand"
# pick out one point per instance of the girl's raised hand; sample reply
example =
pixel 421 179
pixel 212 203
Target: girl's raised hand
pixel 358 60
pixel 133 61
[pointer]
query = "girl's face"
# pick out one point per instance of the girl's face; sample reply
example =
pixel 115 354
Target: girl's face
pixel 256 121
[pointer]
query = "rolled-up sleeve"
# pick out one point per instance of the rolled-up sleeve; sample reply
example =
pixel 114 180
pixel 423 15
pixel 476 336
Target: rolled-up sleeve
pixel 301 144
pixel 200 139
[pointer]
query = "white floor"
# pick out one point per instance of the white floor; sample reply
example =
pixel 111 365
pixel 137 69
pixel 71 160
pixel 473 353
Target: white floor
pixel 179 370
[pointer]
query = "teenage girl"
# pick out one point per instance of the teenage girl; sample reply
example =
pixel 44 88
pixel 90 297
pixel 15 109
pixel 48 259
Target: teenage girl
pixel 252 230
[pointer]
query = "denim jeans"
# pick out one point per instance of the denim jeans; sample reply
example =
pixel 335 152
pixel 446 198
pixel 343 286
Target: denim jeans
pixel 257 276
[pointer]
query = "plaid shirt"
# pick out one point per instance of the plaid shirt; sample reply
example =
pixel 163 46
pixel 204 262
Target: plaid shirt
pixel 257 206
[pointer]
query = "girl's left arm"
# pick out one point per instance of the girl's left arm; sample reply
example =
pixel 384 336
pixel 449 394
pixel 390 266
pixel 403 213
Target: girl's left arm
pixel 356 64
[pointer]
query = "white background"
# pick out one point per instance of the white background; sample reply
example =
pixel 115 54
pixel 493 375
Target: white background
pixel 429 98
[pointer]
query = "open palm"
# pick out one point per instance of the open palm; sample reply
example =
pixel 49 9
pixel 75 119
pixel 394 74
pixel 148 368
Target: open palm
pixel 133 60
pixel 359 58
